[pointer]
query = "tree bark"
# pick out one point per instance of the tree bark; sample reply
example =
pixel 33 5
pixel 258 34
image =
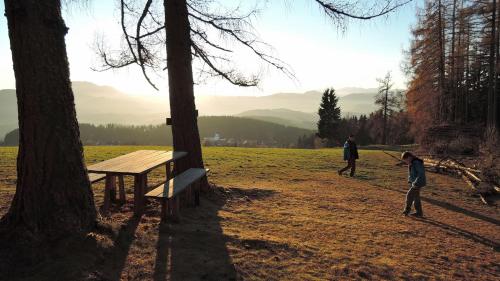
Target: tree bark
pixel 497 71
pixel 453 80
pixel 386 105
pixel 443 95
pixel 53 195
pixel 183 111
pixel 492 108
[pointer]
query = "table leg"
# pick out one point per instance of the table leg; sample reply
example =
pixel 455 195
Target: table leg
pixel 164 209
pixel 190 199
pixel 107 193
pixel 197 193
pixel 168 168
pixel 121 186
pixel 112 188
pixel 138 194
pixel 145 188
pixel 174 203
pixel 205 188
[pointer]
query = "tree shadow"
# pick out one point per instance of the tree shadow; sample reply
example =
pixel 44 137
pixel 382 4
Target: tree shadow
pixel 114 263
pixel 196 248
pixel 77 257
pixel 462 232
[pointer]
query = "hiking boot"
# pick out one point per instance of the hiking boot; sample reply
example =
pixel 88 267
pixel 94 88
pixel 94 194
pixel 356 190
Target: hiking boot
pixel 417 215
pixel 340 173
pixel 405 213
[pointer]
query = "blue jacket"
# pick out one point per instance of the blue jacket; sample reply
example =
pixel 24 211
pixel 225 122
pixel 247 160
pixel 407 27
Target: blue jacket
pixel 346 151
pixel 350 150
pixel 416 173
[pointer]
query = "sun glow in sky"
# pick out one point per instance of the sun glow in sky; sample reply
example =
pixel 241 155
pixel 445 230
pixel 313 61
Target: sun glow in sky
pixel 300 33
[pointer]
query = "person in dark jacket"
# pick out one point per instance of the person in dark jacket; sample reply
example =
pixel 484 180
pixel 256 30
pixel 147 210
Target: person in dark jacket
pixel 416 180
pixel 350 155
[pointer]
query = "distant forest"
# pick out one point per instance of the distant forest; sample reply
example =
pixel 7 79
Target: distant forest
pixel 243 131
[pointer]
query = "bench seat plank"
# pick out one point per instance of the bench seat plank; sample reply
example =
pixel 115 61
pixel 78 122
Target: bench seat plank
pixel 96 177
pixel 177 184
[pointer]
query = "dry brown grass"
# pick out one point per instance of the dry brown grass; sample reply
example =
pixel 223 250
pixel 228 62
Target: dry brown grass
pixel 284 215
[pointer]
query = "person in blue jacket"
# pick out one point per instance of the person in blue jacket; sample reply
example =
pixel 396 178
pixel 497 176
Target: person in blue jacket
pixel 416 180
pixel 350 155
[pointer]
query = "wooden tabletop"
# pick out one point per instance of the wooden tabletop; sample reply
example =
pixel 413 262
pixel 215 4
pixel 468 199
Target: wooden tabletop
pixel 136 163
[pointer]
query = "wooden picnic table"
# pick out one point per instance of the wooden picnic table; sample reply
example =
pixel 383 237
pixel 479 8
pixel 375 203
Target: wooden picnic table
pixel 137 164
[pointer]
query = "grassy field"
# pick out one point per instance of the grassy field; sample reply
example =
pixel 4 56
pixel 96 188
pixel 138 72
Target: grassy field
pixel 279 214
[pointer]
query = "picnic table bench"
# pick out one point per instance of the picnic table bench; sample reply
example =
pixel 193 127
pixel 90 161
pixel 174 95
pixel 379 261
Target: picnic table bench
pixel 168 193
pixel 137 164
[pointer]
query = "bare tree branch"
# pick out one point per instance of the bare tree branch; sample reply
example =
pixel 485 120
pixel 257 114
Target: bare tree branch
pixel 147 47
pixel 334 11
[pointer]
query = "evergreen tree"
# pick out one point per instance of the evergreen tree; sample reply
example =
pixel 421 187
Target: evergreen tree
pixel 329 117
pixel 363 134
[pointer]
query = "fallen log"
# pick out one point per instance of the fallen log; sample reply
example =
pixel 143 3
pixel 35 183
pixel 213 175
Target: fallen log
pixel 451 163
pixel 471 185
pixel 496 188
pixel 440 169
pixel 472 176
pixel 479 186
pixel 463 167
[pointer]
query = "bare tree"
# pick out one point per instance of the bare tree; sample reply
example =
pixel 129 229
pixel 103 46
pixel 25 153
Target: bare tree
pixel 388 100
pixel 192 29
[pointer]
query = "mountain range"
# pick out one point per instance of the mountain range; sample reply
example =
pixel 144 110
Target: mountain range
pixel 103 105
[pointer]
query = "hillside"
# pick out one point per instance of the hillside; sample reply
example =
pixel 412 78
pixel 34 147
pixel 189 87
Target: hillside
pixel 278 214
pixel 352 104
pixel 94 104
pixel 103 105
pixel 284 116
pixel 239 129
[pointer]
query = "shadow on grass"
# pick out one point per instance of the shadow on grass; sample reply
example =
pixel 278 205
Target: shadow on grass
pixel 455 230
pixel 450 207
pixel 196 248
pixel 76 257
pixel 461 210
pixel 116 257
pixel 464 233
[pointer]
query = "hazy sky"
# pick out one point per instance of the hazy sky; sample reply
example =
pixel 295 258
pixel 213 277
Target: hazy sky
pixel 300 33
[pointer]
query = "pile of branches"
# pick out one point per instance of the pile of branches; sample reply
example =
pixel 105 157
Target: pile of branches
pixel 472 177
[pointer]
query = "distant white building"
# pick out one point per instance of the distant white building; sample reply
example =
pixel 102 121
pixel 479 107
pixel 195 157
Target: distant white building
pixel 215 140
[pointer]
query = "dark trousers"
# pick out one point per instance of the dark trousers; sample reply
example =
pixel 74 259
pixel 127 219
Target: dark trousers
pixel 351 164
pixel 413 198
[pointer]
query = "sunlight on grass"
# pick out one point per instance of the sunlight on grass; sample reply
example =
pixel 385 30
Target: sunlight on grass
pixel 286 213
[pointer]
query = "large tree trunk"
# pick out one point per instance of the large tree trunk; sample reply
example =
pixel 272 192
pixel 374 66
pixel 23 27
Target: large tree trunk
pixel 386 105
pixel 180 81
pixel 497 72
pixel 453 80
pixel 53 195
pixel 443 93
pixel 492 110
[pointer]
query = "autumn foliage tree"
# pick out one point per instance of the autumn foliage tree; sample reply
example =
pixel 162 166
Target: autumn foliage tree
pixel 453 65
